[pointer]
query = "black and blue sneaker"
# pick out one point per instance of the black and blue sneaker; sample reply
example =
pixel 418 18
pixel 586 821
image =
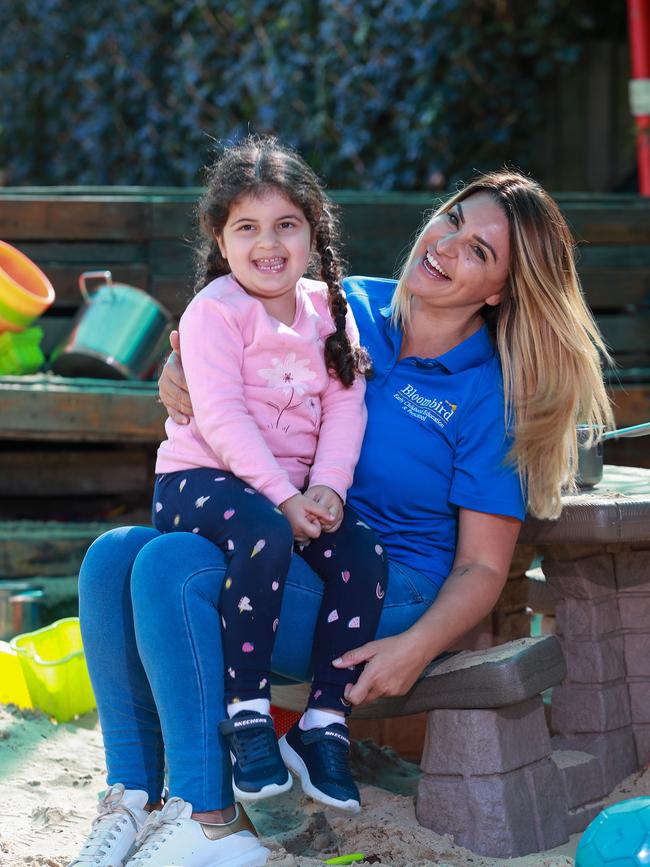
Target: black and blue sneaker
pixel 320 757
pixel 257 767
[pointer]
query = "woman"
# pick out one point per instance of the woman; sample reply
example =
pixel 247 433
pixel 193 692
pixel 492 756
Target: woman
pixel 485 359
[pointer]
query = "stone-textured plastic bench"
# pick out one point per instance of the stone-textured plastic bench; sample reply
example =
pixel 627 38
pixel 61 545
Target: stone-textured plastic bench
pixel 490 777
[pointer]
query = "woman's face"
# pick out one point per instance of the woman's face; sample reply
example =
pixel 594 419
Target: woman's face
pixel 462 258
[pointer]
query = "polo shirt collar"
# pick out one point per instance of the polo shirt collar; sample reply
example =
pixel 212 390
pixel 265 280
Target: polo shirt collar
pixel 474 351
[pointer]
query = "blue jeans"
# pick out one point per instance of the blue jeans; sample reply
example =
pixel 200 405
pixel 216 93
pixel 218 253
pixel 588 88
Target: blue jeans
pixel 152 636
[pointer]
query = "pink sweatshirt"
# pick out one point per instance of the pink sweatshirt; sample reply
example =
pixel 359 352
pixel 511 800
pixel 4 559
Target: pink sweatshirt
pixel 265 407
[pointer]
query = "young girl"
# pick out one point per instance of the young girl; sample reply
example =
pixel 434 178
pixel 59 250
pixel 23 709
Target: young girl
pixel 276 377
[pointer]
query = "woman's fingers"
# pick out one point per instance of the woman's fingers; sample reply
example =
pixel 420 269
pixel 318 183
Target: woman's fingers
pixel 355 656
pixel 175 341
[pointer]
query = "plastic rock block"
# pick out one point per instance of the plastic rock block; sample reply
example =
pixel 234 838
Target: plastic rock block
pixel 500 815
pixel 485 741
pixel 639 689
pixel 13 688
pixel 594 661
pixel 577 708
pixel 616 752
pixel 642 740
pixel 634 610
pixel 54 666
pixel 637 652
pixel 580 817
pixel 632 570
pixel 589 578
pixel 588 618
pixel 582 776
pixel 494 677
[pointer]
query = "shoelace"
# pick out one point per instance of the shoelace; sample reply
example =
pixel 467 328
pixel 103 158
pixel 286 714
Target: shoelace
pixel 253 744
pixel 159 825
pixel 110 815
pixel 335 759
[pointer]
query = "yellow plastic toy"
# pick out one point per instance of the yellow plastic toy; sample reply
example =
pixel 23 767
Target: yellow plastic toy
pixel 13 689
pixel 55 671
pixel 25 291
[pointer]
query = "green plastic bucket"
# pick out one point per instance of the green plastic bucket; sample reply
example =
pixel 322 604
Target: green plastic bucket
pixel 55 671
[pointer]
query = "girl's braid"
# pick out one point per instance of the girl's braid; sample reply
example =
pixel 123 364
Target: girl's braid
pixel 210 264
pixel 341 357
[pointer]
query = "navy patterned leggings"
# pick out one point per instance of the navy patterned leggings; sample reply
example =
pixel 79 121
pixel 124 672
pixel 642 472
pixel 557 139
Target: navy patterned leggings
pixel 258 542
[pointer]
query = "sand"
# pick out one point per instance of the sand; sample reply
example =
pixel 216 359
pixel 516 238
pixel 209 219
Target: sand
pixel 50 776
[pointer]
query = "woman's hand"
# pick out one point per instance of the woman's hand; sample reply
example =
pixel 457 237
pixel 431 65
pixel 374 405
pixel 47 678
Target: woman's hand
pixel 172 385
pixel 330 500
pixel 305 517
pixel 392 667
pixel 483 554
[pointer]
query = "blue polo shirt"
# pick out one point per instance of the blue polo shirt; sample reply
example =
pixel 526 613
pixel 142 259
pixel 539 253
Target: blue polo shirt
pixel 435 440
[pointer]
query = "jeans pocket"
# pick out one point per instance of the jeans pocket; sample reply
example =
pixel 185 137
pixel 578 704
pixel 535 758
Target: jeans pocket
pixel 407 586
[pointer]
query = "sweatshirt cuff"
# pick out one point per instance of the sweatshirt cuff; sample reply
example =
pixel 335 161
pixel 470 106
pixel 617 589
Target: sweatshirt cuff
pixel 278 492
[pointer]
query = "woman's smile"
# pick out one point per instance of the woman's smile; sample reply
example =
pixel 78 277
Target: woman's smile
pixel 433 267
pixel 462 257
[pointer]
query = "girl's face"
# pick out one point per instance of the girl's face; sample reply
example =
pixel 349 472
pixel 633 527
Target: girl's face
pixel 267 243
pixel 462 258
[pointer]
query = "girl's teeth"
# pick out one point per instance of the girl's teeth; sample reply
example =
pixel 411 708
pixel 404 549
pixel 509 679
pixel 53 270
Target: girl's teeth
pixel 434 264
pixel 270 264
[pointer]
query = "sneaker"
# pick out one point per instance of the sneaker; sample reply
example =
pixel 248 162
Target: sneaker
pixel 171 838
pixel 257 767
pixel 121 815
pixel 320 758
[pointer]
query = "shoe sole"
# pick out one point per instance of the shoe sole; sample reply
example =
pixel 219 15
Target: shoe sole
pixel 296 765
pixel 269 791
pixel 245 859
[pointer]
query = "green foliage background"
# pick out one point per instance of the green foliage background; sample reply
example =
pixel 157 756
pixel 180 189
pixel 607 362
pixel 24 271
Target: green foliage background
pixel 384 94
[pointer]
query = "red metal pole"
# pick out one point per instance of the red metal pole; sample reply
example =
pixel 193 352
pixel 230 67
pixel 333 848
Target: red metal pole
pixel 639 30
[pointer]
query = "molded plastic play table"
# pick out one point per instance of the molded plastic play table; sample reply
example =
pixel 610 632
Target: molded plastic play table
pixel 596 560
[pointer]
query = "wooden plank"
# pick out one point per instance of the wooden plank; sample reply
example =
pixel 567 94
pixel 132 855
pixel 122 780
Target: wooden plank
pixel 626 223
pixel 174 292
pixel 47 472
pixel 55 330
pixel 631 405
pixel 614 288
pixel 171 256
pixel 48 407
pixel 628 337
pixel 45 547
pixel 94 253
pixel 174 218
pixel 100 217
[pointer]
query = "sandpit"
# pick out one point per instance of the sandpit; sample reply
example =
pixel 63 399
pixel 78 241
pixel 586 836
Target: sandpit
pixel 51 774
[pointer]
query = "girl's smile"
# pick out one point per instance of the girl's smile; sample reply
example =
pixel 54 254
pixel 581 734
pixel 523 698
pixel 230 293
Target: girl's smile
pixel 267 243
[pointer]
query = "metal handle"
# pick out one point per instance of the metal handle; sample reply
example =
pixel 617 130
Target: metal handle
pixel 637 430
pixel 106 276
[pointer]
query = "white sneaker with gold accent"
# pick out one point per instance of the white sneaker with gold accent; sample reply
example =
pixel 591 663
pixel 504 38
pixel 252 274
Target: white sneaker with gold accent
pixel 120 815
pixel 171 838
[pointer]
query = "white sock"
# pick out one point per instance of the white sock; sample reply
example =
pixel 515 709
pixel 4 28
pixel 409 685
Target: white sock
pixel 313 718
pixel 261 705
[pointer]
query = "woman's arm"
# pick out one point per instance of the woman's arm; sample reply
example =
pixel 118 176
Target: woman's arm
pixel 483 554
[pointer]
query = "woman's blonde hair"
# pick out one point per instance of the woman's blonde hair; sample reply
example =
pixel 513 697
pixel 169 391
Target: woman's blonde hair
pixel 550 347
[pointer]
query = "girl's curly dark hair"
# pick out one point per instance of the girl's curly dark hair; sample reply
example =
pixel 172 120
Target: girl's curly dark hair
pixel 251 167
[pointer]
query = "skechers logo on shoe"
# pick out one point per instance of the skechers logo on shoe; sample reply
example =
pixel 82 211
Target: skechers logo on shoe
pixel 249 722
pixel 339 736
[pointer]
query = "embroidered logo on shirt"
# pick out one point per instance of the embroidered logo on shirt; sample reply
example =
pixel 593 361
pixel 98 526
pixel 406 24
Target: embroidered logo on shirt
pixel 423 408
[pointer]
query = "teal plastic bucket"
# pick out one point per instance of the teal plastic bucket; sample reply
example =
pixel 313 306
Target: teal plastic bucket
pixel 120 332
